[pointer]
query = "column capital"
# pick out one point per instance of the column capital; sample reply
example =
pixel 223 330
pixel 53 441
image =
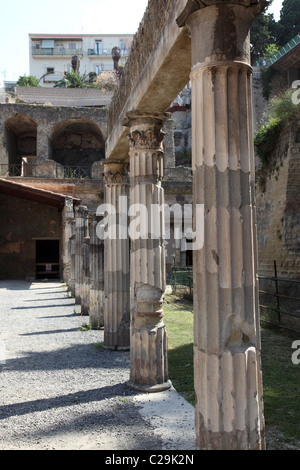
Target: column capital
pixel 145 129
pixel 255 6
pixel 115 171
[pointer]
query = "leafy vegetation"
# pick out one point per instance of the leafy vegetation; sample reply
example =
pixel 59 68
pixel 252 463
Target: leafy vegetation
pixel 281 111
pixel 28 80
pixel 75 80
pixel 268 35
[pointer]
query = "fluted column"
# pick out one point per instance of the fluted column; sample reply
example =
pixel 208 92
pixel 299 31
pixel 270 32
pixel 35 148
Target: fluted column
pixel 96 302
pixel 116 259
pixel 72 249
pixel 148 342
pixel 81 213
pixel 227 366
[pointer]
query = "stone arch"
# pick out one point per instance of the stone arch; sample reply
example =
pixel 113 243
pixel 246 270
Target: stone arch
pixel 77 142
pixel 20 138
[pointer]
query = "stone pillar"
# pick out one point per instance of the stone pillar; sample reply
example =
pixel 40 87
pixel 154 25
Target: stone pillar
pixel 227 369
pixel 72 250
pixel 96 310
pixel 148 342
pixel 42 141
pixel 85 287
pixel 81 232
pixel 68 218
pixel 116 259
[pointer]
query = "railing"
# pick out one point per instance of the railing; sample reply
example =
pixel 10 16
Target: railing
pixel 290 45
pixel 77 172
pixel 10 170
pixel 106 52
pixel 61 172
pixel 278 305
pixel 59 51
pixel 182 278
pixel 286 48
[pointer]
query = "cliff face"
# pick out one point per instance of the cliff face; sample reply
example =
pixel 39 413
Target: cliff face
pixel 278 208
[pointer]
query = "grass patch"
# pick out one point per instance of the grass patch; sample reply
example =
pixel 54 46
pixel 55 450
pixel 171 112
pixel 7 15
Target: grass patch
pixel 178 317
pixel 281 378
pixel 281 383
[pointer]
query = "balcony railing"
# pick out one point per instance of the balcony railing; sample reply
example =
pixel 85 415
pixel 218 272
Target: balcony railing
pixel 106 52
pixel 77 172
pixel 10 170
pixel 57 51
pixel 32 171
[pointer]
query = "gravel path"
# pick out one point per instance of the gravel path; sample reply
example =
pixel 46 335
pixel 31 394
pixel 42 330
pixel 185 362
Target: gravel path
pixel 58 390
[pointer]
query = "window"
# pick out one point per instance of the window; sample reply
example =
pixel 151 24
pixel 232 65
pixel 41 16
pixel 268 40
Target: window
pixel 98 69
pixel 48 43
pixel 98 46
pixel 72 45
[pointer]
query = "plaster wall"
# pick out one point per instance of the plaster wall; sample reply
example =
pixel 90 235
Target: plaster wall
pixel 23 222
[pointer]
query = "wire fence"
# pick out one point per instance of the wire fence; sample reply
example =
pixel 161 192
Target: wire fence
pixel 279 301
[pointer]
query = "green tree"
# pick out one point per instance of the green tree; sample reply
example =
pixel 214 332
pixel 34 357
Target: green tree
pixel 28 80
pixel 263 36
pixel 289 22
pixel 75 80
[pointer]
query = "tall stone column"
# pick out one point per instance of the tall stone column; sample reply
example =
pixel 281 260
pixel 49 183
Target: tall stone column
pixel 81 213
pixel 228 384
pixel 148 342
pixel 116 259
pixel 72 249
pixel 96 299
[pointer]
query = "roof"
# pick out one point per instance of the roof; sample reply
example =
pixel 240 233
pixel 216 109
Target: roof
pixel 288 56
pixel 70 97
pixel 31 193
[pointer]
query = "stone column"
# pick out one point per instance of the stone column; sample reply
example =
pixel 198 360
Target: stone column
pixel 96 310
pixel 81 232
pixel 67 218
pixel 72 249
pixel 228 384
pixel 148 342
pixel 116 259
pixel 85 286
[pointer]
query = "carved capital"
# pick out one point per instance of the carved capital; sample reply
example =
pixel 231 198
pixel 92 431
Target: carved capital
pixel 145 129
pixel 115 172
pixel 256 7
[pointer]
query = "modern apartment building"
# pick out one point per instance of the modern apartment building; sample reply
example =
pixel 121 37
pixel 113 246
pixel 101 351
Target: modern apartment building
pixel 54 52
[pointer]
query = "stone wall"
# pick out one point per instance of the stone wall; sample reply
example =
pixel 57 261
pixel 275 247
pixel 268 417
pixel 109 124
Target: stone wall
pixel 46 119
pixel 278 210
pixel 22 222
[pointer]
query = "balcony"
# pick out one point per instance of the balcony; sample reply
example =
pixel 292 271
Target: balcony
pixel 55 51
pixel 105 52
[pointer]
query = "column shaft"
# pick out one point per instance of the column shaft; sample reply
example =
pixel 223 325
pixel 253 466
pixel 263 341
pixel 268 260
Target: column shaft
pixel 96 298
pixel 148 342
pixel 227 341
pixel 116 285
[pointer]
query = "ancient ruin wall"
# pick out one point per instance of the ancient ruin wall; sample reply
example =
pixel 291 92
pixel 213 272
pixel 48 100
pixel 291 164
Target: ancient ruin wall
pixel 143 44
pixel 278 210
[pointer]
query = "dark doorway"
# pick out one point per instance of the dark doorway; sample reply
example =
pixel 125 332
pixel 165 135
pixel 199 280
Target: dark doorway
pixel 47 259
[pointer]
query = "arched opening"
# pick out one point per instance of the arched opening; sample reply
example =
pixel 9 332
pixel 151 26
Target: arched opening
pixel 77 143
pixel 20 139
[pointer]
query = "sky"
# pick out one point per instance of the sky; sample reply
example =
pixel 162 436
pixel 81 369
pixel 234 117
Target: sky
pixel 22 17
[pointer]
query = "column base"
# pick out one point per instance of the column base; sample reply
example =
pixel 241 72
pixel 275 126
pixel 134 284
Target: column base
pixel 116 348
pixel 150 388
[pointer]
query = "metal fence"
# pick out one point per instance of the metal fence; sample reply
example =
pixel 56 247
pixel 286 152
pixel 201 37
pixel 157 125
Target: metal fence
pixel 279 301
pixel 23 170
